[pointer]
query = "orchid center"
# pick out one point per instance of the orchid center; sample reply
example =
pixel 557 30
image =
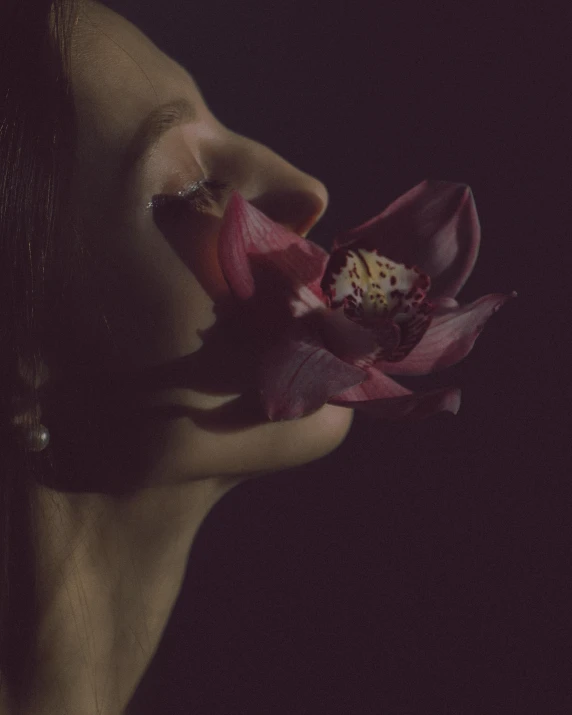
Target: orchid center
pixel 371 286
pixel 381 294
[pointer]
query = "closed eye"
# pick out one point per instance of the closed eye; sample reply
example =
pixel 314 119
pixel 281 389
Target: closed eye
pixel 199 196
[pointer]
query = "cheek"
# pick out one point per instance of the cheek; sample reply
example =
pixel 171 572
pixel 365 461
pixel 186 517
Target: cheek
pixel 195 241
pixel 155 306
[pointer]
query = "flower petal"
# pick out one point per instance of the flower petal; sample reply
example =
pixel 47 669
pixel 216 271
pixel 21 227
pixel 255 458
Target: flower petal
pixel 377 386
pixel 258 255
pixel 415 406
pixel 298 375
pixel 450 337
pixel 380 396
pixel 343 337
pixel 433 226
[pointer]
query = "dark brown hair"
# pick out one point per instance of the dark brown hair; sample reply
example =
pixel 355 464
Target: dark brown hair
pixel 37 146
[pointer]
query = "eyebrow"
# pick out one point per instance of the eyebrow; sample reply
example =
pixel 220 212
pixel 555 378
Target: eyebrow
pixel 156 123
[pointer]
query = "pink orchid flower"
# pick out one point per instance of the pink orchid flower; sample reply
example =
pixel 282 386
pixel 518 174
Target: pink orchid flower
pixel 382 303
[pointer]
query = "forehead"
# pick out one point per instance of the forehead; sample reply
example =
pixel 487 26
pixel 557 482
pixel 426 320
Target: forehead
pixel 118 77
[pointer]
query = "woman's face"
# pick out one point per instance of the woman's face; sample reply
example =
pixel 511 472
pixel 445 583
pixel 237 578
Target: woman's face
pixel 156 271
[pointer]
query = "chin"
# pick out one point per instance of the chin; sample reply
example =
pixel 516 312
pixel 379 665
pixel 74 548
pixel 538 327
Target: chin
pixel 281 445
pixel 326 429
pixel 182 451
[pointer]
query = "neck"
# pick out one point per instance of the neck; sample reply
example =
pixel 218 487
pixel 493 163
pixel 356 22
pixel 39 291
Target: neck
pixel 109 571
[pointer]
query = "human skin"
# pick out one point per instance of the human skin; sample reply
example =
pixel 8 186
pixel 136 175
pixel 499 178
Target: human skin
pixel 110 566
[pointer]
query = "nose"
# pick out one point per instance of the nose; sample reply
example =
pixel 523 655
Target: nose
pixel 282 192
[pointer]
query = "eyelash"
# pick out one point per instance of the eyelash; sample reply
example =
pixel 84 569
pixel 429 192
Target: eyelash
pixel 199 196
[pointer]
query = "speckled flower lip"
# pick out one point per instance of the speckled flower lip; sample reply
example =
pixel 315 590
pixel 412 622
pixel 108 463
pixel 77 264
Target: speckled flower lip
pixel 386 297
pixel 382 303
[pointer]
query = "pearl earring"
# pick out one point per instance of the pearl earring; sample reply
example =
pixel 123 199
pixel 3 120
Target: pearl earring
pixel 35 439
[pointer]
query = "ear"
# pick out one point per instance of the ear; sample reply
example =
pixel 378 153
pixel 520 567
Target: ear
pixel 32 374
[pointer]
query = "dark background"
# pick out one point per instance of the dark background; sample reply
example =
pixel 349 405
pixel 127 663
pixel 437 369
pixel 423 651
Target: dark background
pixel 421 568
